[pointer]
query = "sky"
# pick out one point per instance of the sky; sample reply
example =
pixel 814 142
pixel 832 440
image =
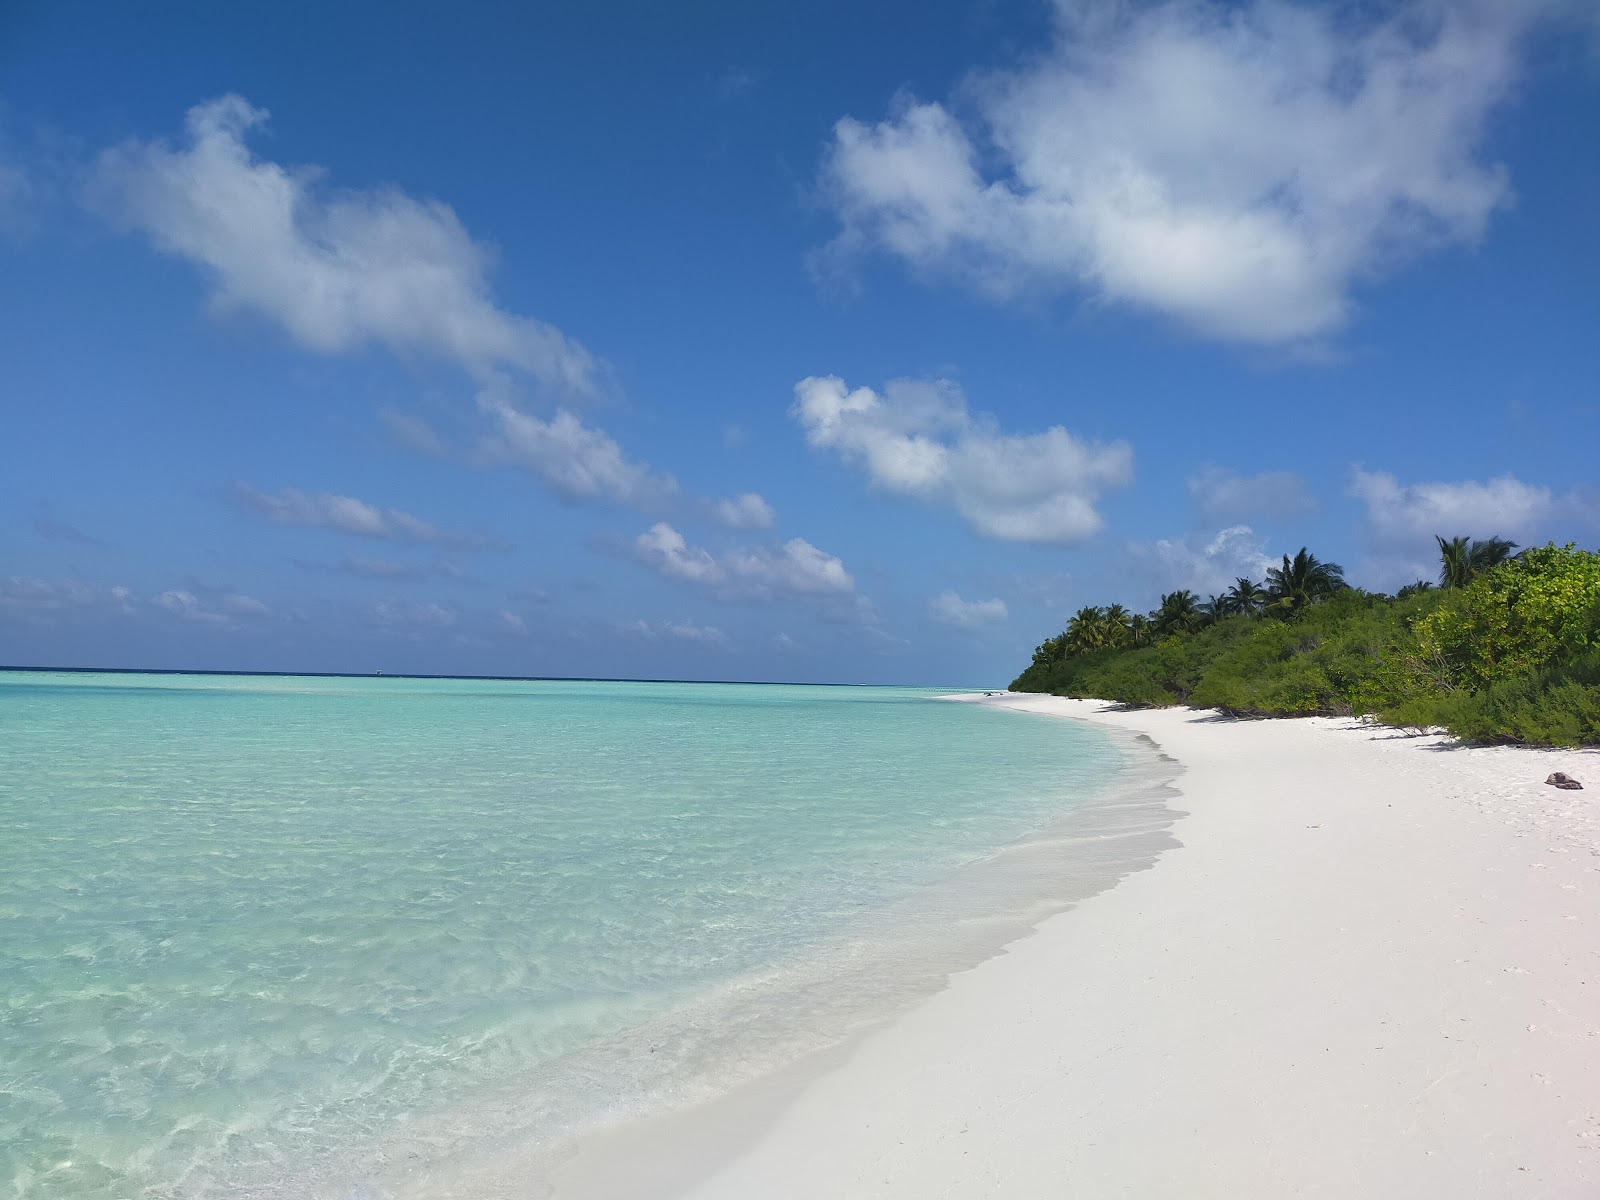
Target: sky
pixel 817 342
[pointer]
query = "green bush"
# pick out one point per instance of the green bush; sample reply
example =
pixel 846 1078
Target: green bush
pixel 1511 656
pixel 1517 617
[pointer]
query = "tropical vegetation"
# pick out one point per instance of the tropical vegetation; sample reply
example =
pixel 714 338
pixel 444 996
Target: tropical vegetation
pixel 1505 648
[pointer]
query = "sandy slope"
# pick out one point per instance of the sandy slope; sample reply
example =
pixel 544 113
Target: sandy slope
pixel 1372 970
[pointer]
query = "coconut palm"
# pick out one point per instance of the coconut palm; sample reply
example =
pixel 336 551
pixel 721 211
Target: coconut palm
pixel 1179 613
pixel 1413 589
pixel 1217 608
pixel 1461 560
pixel 1087 630
pixel 1139 631
pixel 1116 620
pixel 1302 581
pixel 1246 597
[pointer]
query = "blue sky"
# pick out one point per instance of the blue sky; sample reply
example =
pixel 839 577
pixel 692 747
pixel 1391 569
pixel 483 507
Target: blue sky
pixel 815 342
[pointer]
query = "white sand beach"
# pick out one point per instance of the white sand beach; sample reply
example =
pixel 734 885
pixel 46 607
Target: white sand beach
pixel 1371 970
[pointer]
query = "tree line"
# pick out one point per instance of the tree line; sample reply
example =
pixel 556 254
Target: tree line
pixel 1504 646
pixel 1289 588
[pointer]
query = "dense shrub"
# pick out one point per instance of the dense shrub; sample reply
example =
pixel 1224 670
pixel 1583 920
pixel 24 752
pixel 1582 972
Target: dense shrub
pixel 1513 655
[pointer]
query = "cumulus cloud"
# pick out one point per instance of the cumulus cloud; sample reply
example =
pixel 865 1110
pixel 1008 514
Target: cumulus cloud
pixel 1237 168
pixel 683 631
pixel 337 269
pixel 346 514
pixel 793 570
pixel 744 511
pixel 1205 564
pixel 918 438
pixel 1403 519
pixel 576 460
pixel 1401 516
pixel 948 608
pixel 1223 495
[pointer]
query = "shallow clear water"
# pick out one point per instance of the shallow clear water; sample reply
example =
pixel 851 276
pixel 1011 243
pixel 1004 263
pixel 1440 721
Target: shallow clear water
pixel 251 927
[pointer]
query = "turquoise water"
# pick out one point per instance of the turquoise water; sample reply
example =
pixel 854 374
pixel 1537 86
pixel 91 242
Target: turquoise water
pixel 258 934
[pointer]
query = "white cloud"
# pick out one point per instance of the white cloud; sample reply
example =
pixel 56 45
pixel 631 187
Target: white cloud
pixel 744 511
pixel 919 439
pixel 346 514
pixel 683 631
pixel 245 606
pixel 948 608
pixel 338 270
pixel 225 613
pixel 1235 167
pixel 511 623
pixel 1223 495
pixel 663 549
pixel 574 459
pixel 1205 564
pixel 32 597
pixel 794 569
pixel 1402 520
pixel 1409 516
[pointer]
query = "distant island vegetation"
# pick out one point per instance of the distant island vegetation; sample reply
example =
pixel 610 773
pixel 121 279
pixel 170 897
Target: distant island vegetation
pixel 1505 648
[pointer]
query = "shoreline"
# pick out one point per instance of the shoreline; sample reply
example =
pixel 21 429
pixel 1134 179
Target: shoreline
pixel 986 907
pixel 1372 968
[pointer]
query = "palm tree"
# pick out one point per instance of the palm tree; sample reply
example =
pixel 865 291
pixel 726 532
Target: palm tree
pixel 1413 589
pixel 1303 580
pixel 1455 561
pixel 1139 632
pixel 1461 560
pixel 1217 608
pixel 1178 613
pixel 1116 620
pixel 1246 597
pixel 1087 630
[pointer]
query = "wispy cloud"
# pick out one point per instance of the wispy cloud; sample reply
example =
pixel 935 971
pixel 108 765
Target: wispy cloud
pixel 1237 168
pixel 744 511
pixel 1203 563
pixel 575 460
pixel 35 598
pixel 683 631
pixel 32 595
pixel 346 514
pixel 918 439
pixel 948 608
pixel 392 570
pixel 336 269
pixel 226 611
pixel 793 570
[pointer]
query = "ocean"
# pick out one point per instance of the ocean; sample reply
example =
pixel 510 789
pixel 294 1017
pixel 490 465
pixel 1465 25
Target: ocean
pixel 346 937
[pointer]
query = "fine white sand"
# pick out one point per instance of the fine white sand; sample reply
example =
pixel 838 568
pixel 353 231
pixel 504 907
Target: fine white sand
pixel 1371 970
